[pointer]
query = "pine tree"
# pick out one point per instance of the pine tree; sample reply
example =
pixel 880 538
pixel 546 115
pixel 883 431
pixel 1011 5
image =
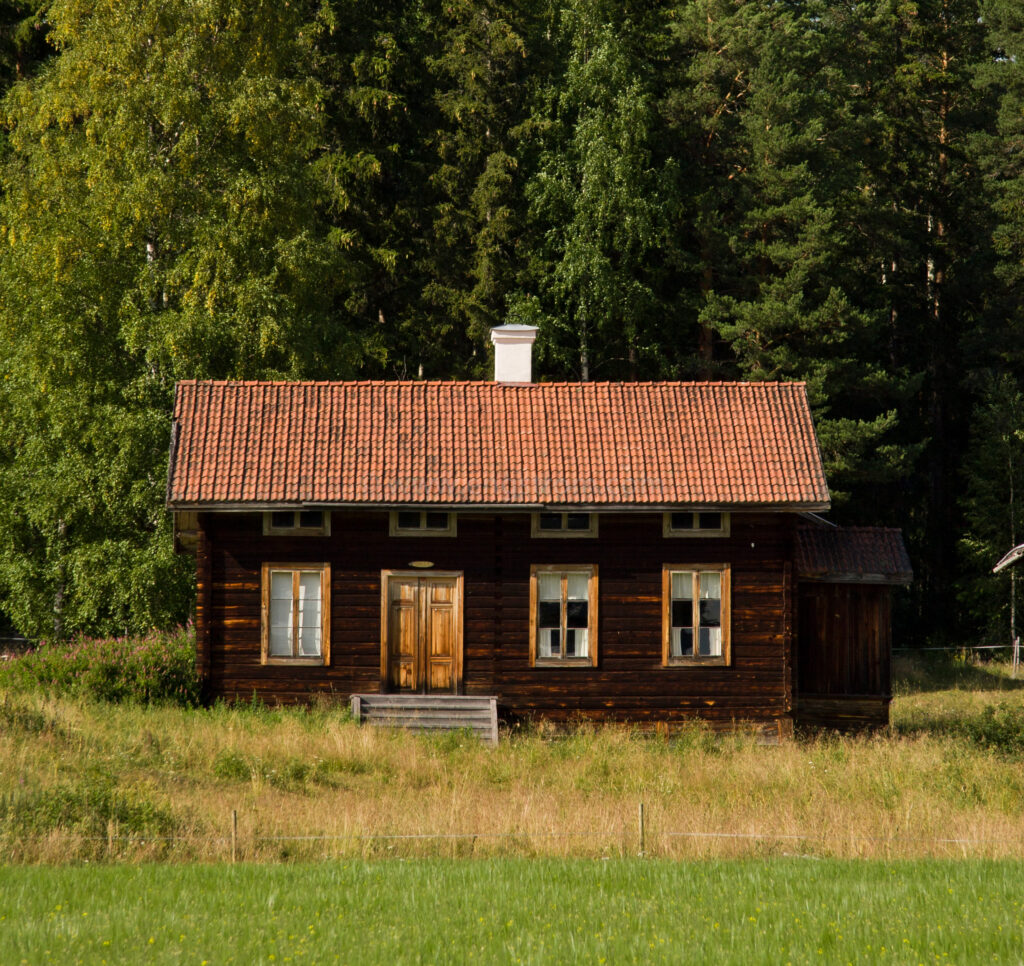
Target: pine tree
pixel 993 505
pixel 481 70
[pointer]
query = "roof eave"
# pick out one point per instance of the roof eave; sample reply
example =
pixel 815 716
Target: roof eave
pixel 213 506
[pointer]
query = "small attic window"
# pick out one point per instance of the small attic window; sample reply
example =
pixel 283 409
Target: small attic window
pixel 563 524
pixel 305 523
pixel 422 523
pixel 696 523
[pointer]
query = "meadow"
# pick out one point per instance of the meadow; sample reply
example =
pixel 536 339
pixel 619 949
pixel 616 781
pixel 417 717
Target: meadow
pixel 124 781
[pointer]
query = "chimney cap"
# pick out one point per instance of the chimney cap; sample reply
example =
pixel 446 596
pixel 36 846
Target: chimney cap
pixel 513 333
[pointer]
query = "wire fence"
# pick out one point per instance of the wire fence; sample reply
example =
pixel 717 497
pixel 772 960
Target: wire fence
pixel 642 840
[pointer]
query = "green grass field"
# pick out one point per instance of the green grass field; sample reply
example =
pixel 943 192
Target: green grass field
pixel 516 911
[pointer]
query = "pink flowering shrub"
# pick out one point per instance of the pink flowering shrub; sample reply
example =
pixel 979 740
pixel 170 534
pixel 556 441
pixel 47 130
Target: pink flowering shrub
pixel 157 667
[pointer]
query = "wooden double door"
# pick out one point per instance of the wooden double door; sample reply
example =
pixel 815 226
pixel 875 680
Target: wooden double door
pixel 421 631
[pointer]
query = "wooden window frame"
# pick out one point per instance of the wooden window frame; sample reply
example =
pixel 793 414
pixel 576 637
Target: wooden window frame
pixel 269 530
pixel 394 530
pixel 695 660
pixel 324 658
pixel 696 532
pixel 592 583
pixel 564 533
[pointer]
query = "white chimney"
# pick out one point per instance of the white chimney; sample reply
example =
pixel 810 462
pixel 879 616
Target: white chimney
pixel 513 352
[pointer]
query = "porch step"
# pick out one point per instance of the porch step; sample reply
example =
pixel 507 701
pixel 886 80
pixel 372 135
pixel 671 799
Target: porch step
pixel 430 712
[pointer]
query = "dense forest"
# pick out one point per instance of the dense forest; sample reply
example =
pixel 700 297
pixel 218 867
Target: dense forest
pixel 685 189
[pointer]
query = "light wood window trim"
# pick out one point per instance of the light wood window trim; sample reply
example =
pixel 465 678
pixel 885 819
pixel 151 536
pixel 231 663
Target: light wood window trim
pixel 695 534
pixel 537 533
pixel 394 530
pixel 324 658
pixel 269 530
pixel 592 581
pixel 692 660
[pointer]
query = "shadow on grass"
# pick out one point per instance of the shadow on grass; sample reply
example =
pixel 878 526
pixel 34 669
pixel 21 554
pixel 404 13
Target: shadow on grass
pixel 948 671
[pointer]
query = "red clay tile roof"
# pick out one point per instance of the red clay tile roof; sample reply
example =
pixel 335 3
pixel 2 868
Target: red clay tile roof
pixel 865 555
pixel 492 444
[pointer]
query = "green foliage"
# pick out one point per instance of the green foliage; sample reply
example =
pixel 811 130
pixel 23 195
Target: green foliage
pixel 993 506
pixel 158 223
pixel 596 200
pixel 87 807
pixel 159 667
pixel 325 188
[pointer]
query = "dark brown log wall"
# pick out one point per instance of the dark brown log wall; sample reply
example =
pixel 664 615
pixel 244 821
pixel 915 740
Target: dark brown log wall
pixel 843 654
pixel 495 554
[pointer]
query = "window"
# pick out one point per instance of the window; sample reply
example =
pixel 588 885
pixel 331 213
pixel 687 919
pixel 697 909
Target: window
pixel 422 523
pixel 307 523
pixel 296 613
pixel 563 524
pixel 563 615
pixel 695 616
pixel 696 523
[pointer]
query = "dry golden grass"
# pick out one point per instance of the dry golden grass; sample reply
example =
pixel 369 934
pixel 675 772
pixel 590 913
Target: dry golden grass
pixel 101 782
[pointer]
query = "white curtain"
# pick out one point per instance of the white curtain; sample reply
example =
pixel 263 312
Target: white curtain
pixel 280 613
pixel 309 613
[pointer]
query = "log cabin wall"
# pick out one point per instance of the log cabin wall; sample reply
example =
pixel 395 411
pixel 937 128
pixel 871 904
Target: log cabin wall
pixel 843 657
pixel 495 554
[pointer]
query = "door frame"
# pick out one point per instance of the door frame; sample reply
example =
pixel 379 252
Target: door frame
pixel 386 577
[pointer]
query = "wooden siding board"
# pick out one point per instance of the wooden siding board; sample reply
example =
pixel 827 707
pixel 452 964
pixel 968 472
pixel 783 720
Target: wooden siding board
pixel 844 653
pixel 495 554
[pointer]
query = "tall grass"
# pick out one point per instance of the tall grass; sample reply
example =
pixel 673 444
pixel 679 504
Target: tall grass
pixel 159 666
pixel 127 781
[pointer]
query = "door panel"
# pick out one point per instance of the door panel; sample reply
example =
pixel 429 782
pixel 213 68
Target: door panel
pixel 403 634
pixel 423 640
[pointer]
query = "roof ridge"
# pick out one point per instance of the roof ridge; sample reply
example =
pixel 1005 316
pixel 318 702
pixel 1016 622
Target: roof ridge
pixel 734 383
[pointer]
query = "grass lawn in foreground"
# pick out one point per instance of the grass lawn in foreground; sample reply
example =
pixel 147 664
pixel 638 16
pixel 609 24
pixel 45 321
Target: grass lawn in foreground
pixel 516 911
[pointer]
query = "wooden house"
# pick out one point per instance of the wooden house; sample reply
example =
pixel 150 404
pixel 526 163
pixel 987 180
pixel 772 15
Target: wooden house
pixel 569 551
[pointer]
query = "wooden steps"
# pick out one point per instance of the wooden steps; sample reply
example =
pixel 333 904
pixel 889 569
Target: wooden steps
pixel 430 712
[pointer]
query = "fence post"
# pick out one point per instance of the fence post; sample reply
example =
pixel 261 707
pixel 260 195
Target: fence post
pixel 640 822
pixel 1016 655
pixel 234 835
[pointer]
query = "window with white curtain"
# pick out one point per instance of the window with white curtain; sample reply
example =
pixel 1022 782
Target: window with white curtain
pixel 296 619
pixel 563 619
pixel 696 614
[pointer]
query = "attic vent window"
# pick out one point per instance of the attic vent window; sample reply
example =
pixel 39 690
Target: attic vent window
pixel 305 523
pixel 567 524
pixel 422 523
pixel 696 523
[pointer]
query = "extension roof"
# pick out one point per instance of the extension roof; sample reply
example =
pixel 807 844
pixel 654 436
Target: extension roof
pixel 255 445
pixel 861 555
